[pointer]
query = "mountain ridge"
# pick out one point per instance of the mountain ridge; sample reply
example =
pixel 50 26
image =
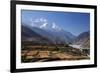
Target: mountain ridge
pixel 83 39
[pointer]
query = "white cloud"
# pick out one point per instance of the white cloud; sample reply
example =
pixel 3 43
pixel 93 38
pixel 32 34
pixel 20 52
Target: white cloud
pixel 36 20
pixel 42 23
pixel 43 20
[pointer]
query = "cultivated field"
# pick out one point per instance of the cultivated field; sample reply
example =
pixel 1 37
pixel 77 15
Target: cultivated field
pixel 46 53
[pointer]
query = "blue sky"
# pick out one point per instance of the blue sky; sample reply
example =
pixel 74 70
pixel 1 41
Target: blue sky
pixel 73 22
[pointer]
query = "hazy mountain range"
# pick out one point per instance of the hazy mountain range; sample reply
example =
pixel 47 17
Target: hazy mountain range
pixel 40 31
pixel 83 39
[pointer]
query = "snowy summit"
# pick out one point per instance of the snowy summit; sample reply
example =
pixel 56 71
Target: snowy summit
pixel 44 24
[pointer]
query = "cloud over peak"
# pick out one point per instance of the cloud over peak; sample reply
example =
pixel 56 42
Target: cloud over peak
pixel 44 24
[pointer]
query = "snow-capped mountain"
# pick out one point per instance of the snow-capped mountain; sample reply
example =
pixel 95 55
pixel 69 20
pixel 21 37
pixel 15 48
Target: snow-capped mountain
pixel 43 24
pixel 50 31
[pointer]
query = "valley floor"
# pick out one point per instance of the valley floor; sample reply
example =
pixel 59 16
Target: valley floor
pixel 43 55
